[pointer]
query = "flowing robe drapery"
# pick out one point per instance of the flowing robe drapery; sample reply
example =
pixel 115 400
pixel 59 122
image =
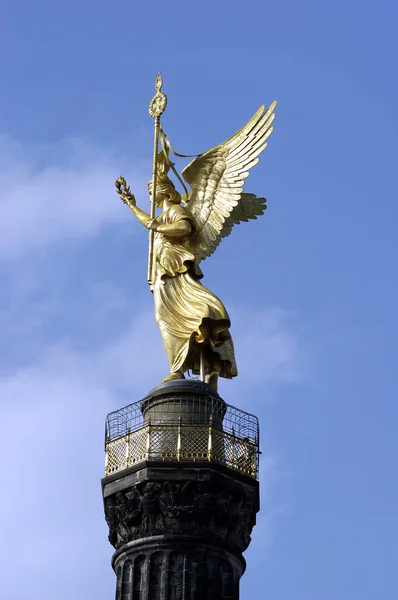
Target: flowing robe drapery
pixel 189 316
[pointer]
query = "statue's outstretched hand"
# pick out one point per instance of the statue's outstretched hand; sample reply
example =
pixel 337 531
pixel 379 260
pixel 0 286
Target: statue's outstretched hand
pixel 124 192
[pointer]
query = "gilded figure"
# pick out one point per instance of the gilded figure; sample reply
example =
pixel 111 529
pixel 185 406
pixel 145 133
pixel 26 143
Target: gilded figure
pixel 193 321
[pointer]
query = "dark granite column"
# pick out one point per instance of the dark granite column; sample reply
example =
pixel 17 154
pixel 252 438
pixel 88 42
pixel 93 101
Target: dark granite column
pixel 180 522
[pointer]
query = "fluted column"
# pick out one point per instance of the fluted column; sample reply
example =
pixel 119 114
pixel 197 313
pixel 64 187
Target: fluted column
pixel 176 570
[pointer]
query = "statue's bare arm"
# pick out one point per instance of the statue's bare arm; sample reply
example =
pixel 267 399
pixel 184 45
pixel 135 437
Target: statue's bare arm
pixel 177 229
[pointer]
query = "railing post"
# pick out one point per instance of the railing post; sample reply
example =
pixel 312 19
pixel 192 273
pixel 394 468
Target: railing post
pixel 148 440
pixel 127 457
pixel 232 451
pixel 255 459
pixel 210 444
pixel 179 439
pixel 247 457
pixel 107 440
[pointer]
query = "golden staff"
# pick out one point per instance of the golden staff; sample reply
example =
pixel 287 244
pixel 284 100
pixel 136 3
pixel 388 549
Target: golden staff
pixel 156 109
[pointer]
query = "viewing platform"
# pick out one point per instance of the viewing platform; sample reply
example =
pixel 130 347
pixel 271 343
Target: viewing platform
pixel 184 421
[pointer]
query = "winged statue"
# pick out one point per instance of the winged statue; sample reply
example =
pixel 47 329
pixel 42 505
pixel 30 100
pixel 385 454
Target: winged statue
pixel 193 321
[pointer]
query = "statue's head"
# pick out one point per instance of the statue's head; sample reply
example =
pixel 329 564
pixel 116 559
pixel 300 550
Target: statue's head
pixel 165 189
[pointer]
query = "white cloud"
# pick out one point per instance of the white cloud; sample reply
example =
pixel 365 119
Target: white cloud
pixel 267 347
pixel 270 350
pixel 44 205
pixel 51 513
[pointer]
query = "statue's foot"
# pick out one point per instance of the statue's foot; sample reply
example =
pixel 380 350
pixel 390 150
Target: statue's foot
pixel 174 376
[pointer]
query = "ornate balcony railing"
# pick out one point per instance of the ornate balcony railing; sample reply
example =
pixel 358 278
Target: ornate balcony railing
pixel 232 439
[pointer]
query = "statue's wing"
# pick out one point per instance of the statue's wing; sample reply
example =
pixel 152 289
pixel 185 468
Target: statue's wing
pixel 217 177
pixel 248 207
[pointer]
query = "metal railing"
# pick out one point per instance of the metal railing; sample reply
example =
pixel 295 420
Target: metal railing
pixel 182 442
pixel 182 428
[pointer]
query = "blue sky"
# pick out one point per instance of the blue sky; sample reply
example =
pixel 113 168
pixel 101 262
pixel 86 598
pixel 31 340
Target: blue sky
pixel 311 286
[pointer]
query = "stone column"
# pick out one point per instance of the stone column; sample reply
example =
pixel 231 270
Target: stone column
pixel 179 527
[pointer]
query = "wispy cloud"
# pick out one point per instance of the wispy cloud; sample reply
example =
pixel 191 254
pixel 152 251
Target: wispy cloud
pixel 70 196
pixel 268 345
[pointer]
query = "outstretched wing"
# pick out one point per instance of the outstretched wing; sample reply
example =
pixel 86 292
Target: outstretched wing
pixel 217 177
pixel 248 207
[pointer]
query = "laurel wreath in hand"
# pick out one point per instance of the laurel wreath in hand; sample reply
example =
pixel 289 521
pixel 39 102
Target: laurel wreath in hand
pixel 124 191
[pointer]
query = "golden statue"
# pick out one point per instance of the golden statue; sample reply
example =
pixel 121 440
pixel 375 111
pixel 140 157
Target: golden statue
pixel 193 322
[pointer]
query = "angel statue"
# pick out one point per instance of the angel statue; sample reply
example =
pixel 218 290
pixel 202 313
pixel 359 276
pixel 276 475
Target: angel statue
pixel 193 322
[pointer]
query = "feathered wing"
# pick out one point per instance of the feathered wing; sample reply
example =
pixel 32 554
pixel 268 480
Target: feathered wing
pixel 217 177
pixel 248 207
